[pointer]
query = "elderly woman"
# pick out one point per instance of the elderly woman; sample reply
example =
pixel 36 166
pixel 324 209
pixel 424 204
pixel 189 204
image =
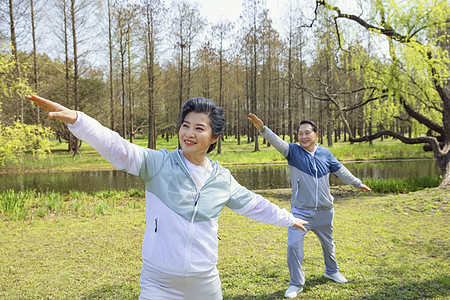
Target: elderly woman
pixel 185 192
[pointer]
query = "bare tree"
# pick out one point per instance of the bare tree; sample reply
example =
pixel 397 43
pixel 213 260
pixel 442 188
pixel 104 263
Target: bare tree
pixel 111 67
pixel 221 31
pixel 151 12
pixel 186 26
pixel 123 15
pixel 251 22
pixel 13 38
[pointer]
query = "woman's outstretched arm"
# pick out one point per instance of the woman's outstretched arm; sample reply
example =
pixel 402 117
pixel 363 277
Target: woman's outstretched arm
pixel 55 110
pixel 122 154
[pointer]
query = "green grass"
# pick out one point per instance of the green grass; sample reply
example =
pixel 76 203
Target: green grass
pixel 232 154
pixel 388 246
pixel 402 185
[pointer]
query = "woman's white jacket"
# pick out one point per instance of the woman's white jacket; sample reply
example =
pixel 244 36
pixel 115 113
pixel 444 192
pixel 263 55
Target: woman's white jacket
pixel 181 221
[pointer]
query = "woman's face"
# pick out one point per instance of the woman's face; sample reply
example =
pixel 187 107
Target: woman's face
pixel 195 136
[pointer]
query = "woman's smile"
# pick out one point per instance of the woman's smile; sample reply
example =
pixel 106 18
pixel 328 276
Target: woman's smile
pixel 195 136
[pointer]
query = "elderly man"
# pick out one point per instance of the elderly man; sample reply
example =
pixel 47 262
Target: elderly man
pixel 310 166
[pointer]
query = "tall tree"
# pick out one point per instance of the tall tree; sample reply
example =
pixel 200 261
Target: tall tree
pixel 416 80
pixel 65 4
pixel 12 26
pixel 151 10
pixel 186 25
pixel 35 67
pixel 76 96
pixel 124 15
pixel 251 17
pixel 111 66
pixel 221 31
pixel 271 46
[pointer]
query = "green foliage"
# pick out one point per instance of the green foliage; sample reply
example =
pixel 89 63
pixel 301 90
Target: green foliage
pixel 413 64
pixel 20 139
pixel 29 204
pixel 11 87
pixel 402 185
pixel 13 204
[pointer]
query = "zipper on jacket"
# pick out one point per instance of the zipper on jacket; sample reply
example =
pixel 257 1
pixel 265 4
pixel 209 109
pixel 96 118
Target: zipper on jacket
pixel 191 235
pixel 195 206
pixel 156 224
pixel 298 188
pixel 317 182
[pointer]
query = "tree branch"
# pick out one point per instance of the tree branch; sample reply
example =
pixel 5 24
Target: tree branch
pixel 421 118
pixel 418 140
pixel 362 103
pixel 385 31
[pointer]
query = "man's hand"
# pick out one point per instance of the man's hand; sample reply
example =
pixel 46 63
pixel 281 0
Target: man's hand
pixel 256 122
pixel 365 188
pixel 55 110
pixel 299 224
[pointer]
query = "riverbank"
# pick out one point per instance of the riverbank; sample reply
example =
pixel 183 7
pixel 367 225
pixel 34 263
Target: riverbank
pixel 388 246
pixel 232 155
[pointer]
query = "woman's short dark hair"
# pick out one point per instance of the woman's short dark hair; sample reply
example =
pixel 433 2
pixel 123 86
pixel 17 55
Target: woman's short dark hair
pixel 208 107
pixel 313 125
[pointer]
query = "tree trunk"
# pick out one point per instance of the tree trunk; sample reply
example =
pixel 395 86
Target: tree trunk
pixel 130 93
pixel 71 146
pixel 111 77
pixel 35 70
pixel 150 76
pixel 290 89
pixel 122 80
pixel 219 142
pixel 75 70
pixel 329 127
pixel 444 165
pixel 19 113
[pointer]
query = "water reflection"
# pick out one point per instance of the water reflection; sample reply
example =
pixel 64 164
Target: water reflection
pixel 252 177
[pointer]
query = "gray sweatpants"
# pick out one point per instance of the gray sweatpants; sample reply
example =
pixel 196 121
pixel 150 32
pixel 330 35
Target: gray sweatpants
pixel 321 223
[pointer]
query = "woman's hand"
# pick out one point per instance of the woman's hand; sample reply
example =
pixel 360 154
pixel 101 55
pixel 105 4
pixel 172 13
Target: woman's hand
pixel 257 122
pixel 299 224
pixel 55 110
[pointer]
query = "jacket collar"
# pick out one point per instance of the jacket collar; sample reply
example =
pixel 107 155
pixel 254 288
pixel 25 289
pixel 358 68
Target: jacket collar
pixel 177 154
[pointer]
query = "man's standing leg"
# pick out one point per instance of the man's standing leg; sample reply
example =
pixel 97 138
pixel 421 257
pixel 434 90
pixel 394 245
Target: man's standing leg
pixel 295 255
pixel 324 231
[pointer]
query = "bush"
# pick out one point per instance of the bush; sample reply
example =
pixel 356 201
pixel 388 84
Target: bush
pixel 402 185
pixel 13 203
pixel 20 139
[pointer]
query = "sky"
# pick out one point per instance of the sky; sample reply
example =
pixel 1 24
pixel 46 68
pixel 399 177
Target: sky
pixel 215 10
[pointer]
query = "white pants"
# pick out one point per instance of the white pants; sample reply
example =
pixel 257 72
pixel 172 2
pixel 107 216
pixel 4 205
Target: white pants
pixel 156 285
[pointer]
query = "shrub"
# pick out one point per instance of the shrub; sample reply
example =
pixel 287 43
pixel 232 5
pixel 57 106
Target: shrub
pixel 402 185
pixel 20 139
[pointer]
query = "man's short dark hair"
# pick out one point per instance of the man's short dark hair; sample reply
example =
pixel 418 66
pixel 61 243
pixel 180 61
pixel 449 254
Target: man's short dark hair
pixel 313 125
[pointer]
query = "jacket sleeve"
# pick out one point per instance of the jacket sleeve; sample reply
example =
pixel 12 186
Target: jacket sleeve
pixel 346 176
pixel 262 210
pixel 122 154
pixel 258 208
pixel 281 145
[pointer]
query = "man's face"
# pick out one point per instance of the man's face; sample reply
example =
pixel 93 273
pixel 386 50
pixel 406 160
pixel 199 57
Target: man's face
pixel 307 137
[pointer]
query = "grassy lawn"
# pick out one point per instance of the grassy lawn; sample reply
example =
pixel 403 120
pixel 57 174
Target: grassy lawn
pixel 87 246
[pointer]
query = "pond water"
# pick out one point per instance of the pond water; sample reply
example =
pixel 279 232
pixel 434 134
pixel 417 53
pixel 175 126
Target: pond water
pixel 252 177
